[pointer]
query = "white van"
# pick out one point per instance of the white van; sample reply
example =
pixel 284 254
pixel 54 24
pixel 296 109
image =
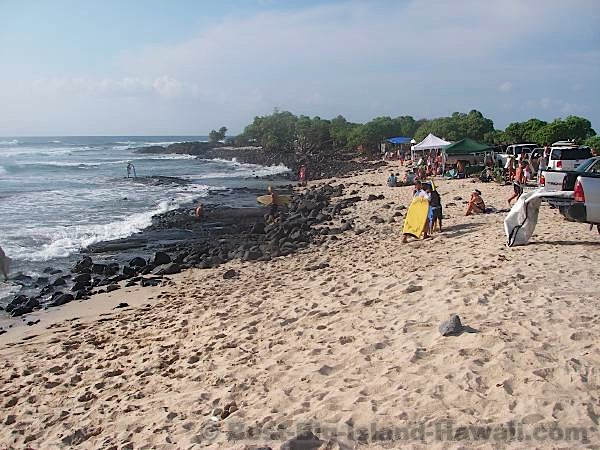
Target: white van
pixel 564 157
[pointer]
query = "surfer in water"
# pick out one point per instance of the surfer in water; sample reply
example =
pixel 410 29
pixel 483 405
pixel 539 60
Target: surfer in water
pixel 4 264
pixel 130 170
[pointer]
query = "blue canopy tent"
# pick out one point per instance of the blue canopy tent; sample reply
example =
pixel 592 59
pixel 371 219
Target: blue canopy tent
pixel 398 140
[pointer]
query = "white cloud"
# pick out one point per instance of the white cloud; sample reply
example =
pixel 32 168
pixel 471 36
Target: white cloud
pixel 165 87
pixel 360 59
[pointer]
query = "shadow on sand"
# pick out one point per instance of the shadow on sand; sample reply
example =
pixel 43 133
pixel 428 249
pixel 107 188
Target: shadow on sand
pixel 584 243
pixel 460 229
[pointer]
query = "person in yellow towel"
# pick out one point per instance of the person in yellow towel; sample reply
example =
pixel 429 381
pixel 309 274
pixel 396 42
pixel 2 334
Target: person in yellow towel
pixel 418 192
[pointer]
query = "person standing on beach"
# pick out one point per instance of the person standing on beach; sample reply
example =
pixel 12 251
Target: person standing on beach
pixel 419 192
pixel 302 175
pixel 4 264
pixel 518 182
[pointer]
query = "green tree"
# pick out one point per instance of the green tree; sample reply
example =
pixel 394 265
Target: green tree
pixel 312 135
pixel 372 133
pixel 216 136
pixel 573 127
pixel 339 130
pixel 273 132
pixel 593 142
pixel 457 126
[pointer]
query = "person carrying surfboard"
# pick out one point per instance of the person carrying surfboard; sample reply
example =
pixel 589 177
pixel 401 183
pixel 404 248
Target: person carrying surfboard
pixel 417 217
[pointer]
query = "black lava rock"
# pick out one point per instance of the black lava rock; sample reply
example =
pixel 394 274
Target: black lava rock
pixel 306 440
pixel 84 278
pixel 161 258
pixel 452 326
pixel 167 269
pixel 59 299
pixel 230 274
pixel 137 262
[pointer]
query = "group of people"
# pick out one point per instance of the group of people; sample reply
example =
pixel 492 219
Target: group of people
pixel 433 220
pixel 407 180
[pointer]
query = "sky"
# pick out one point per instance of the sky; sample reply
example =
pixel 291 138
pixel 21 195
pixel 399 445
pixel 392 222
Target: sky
pixel 184 67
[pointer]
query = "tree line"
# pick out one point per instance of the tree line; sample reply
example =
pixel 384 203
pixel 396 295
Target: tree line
pixel 286 132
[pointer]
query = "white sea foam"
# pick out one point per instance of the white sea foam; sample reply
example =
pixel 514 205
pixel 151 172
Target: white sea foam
pixel 11 142
pixel 244 170
pixel 2 171
pixel 11 152
pixel 63 241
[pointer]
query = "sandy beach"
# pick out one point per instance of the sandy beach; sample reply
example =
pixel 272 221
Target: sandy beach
pixel 342 335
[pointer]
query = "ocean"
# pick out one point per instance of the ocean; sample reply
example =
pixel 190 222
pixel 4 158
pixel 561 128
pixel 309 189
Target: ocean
pixel 59 195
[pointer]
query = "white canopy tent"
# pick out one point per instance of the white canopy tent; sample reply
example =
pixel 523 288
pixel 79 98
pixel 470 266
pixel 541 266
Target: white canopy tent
pixel 431 142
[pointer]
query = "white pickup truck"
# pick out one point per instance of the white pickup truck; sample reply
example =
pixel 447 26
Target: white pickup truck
pixel 585 206
pixel 564 180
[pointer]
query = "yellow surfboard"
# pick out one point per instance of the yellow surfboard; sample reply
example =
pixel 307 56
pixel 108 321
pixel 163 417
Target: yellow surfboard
pixel 416 217
pixel 282 200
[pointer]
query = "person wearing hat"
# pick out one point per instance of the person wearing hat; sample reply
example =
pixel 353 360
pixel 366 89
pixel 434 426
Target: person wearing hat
pixel 476 204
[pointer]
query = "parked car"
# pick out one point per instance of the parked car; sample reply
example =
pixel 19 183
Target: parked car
pixel 563 180
pixel 568 157
pixel 585 206
pixel 515 150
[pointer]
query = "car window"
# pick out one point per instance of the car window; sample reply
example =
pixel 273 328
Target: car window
pixel 595 168
pixel 571 154
pixel 584 166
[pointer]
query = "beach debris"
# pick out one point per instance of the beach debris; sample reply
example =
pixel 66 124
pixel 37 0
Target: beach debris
pixel 452 326
pixel 306 440
pixel 229 274
pixel 121 305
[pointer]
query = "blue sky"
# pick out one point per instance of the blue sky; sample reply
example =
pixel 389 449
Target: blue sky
pixel 184 67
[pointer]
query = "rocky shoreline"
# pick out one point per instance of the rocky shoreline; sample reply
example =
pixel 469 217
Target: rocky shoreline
pixel 177 241
pixel 322 165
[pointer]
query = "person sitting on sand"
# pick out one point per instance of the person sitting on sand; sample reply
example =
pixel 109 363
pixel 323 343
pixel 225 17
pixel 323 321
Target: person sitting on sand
pixel 392 181
pixel 476 204
pixel 408 179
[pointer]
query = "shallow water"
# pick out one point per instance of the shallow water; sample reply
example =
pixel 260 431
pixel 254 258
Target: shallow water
pixel 58 195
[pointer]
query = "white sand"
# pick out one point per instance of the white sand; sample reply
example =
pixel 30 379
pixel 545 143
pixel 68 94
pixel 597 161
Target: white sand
pixel 345 346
